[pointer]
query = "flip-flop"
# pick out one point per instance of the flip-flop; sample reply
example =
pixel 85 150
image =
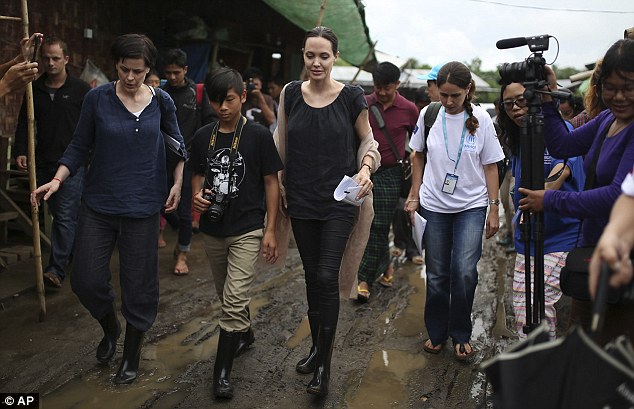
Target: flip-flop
pixel 52 280
pixel 386 281
pixel 461 353
pixel 396 252
pixel 431 348
pixel 363 295
pixel 418 260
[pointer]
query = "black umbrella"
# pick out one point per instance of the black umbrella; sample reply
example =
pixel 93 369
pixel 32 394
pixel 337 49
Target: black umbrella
pixel 573 372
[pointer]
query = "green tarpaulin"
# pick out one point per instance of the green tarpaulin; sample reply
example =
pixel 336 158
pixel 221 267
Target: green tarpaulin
pixel 345 17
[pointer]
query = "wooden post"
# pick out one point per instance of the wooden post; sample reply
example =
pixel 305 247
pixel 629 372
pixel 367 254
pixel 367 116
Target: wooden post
pixel 367 57
pixel 30 114
pixel 322 10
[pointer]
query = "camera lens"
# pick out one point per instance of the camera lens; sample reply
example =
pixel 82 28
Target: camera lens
pixel 513 72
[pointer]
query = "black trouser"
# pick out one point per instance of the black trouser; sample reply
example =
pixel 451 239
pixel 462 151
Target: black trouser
pixel 321 244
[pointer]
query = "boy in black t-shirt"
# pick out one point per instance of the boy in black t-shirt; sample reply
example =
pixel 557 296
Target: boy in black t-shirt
pixel 234 164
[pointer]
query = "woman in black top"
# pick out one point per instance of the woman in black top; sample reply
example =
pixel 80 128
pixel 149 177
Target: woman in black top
pixel 325 131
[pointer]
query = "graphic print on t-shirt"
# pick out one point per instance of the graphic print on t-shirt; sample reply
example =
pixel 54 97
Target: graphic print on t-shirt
pixel 222 182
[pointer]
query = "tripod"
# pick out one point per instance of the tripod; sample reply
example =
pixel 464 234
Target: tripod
pixel 532 224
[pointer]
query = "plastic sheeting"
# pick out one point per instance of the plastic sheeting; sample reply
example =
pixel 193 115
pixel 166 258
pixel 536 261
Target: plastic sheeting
pixel 345 17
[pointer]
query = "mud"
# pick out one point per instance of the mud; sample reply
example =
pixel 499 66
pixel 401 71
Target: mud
pixel 378 360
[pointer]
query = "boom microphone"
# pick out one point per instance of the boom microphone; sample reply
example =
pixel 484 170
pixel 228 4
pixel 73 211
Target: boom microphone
pixel 511 43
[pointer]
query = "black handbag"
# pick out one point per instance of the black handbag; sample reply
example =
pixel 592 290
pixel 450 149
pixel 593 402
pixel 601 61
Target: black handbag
pixel 406 164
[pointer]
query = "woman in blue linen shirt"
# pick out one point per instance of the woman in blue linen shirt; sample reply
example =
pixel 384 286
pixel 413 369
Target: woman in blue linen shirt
pixel 125 189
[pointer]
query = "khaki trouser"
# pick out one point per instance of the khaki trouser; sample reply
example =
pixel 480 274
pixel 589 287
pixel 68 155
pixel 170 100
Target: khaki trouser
pixel 232 260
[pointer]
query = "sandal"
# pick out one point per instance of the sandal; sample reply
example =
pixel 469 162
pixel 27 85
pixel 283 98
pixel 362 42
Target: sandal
pixel 461 353
pixel 386 281
pixel 52 280
pixel 363 295
pixel 431 348
pixel 418 260
pixel 396 252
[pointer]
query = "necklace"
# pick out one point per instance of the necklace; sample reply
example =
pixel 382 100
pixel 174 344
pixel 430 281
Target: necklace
pixel 615 129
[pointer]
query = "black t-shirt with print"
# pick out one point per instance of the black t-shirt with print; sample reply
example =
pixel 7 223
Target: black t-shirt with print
pixel 256 158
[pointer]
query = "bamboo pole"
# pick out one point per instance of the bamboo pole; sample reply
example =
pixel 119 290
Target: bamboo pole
pixel 35 218
pixel 322 11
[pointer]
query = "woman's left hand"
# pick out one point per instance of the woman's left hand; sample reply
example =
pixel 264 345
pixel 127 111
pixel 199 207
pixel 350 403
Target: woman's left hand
pixel 363 179
pixel 173 199
pixel 533 200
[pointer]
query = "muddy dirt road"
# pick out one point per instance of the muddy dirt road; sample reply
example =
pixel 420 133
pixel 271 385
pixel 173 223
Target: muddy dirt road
pixel 378 360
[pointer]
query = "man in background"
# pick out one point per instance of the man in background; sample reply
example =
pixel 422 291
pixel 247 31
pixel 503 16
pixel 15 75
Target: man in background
pixel 193 110
pixel 57 100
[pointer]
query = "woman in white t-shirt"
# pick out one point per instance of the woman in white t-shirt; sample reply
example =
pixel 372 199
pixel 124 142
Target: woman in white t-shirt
pixel 459 182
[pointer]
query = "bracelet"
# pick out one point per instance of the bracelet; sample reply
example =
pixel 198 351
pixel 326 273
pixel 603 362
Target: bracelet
pixel 58 179
pixel 365 164
pixel 412 200
pixel 494 202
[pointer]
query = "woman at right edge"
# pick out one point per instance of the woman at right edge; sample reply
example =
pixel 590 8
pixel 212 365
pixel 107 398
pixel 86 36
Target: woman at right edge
pixel 460 179
pixel 323 133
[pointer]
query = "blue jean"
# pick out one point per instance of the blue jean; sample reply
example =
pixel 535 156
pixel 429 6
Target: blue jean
pixel 321 244
pixel 138 265
pixel 183 215
pixel 453 246
pixel 64 207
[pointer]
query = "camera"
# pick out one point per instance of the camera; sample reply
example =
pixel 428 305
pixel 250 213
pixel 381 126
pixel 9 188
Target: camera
pixel 530 70
pixel 218 205
pixel 250 85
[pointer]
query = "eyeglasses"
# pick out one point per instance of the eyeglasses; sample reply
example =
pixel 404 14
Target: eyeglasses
pixel 610 91
pixel 520 102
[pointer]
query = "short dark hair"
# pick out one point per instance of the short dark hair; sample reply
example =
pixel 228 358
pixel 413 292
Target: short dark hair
pixel 325 32
pixel 221 81
pixel 176 56
pixel 253 72
pixel 134 46
pixel 52 40
pixel 386 73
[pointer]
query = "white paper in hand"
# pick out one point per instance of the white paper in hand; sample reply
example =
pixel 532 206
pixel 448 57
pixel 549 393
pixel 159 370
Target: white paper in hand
pixel 418 230
pixel 347 191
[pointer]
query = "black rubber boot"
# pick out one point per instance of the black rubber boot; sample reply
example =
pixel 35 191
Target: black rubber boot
pixel 111 331
pixel 319 384
pixel 227 345
pixel 127 372
pixel 246 339
pixel 307 365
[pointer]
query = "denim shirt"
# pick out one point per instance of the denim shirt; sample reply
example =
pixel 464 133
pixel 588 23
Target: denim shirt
pixel 127 174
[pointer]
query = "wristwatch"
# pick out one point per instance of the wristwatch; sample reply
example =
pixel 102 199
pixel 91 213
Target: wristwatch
pixel 494 202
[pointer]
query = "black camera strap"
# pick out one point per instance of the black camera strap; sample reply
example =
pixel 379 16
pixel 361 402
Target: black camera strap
pixel 235 142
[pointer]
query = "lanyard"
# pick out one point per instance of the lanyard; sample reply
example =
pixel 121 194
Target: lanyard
pixel 444 132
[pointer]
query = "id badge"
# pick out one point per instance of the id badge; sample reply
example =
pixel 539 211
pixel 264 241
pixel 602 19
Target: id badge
pixel 449 186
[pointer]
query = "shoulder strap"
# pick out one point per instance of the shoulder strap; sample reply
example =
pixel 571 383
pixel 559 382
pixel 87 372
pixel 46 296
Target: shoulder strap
pixel 381 122
pixel 199 94
pixel 590 176
pixel 430 117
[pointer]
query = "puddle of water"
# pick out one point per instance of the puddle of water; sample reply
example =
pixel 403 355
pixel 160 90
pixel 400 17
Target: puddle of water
pixel 161 364
pixel 302 332
pixel 410 322
pixel 383 385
